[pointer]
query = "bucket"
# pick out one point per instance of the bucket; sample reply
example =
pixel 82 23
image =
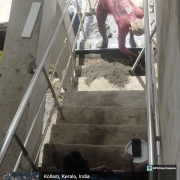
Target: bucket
pixel 144 152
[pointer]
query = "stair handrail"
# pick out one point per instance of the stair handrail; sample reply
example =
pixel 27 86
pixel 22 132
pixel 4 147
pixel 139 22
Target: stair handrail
pixel 151 96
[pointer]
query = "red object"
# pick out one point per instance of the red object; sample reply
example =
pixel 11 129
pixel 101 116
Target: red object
pixel 124 12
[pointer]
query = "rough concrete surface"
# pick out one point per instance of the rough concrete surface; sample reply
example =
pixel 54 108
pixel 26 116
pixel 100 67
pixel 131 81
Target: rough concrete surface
pixel 168 38
pixel 111 115
pixel 105 98
pixel 18 54
pixel 95 155
pixel 97 134
pixel 102 84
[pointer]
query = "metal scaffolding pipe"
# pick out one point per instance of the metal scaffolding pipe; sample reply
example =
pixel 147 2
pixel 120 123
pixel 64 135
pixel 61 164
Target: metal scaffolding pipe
pixel 150 118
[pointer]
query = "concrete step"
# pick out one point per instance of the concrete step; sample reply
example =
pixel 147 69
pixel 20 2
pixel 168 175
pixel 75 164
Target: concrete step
pixel 131 98
pixel 112 115
pixel 95 155
pixel 102 84
pixel 96 134
pixel 89 59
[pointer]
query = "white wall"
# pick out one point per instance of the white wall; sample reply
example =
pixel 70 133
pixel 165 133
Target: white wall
pixel 18 55
pixel 50 17
pixel 168 36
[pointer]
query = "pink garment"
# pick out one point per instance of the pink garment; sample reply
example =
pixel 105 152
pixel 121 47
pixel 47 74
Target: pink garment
pixel 124 12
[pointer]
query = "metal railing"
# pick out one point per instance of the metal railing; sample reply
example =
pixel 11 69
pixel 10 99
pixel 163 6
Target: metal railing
pixel 151 95
pixel 151 90
pixel 11 133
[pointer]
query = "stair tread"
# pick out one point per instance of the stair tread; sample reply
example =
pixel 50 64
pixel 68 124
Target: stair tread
pixel 105 98
pixel 96 134
pixel 102 84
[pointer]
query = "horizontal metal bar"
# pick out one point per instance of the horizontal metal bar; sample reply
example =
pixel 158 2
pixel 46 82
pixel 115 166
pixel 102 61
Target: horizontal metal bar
pixel 97 51
pixel 22 106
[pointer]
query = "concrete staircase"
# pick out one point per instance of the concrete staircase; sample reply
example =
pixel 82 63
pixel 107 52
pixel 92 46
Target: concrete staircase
pixel 99 123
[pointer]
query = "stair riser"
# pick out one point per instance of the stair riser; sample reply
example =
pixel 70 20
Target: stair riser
pixel 103 115
pixel 95 155
pixel 102 84
pixel 112 98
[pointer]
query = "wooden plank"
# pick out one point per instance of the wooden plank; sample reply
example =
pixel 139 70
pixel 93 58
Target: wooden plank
pixel 28 28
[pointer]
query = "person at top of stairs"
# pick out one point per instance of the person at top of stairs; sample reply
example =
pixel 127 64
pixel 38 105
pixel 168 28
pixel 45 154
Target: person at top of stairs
pixel 128 18
pixel 75 162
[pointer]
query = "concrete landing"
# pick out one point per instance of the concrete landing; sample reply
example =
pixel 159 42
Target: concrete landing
pixel 102 84
pixel 96 134
pixel 109 115
pixel 95 155
pixel 105 98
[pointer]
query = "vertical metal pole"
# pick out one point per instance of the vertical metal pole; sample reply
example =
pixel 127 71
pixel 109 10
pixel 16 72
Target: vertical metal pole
pixel 26 155
pixel 151 133
pixel 80 18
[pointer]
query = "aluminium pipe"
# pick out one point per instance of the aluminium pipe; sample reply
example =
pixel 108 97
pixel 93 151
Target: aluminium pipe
pixel 151 133
pixel 23 104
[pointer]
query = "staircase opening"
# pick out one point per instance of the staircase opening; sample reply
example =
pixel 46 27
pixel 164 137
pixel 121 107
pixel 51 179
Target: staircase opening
pixel 97 106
